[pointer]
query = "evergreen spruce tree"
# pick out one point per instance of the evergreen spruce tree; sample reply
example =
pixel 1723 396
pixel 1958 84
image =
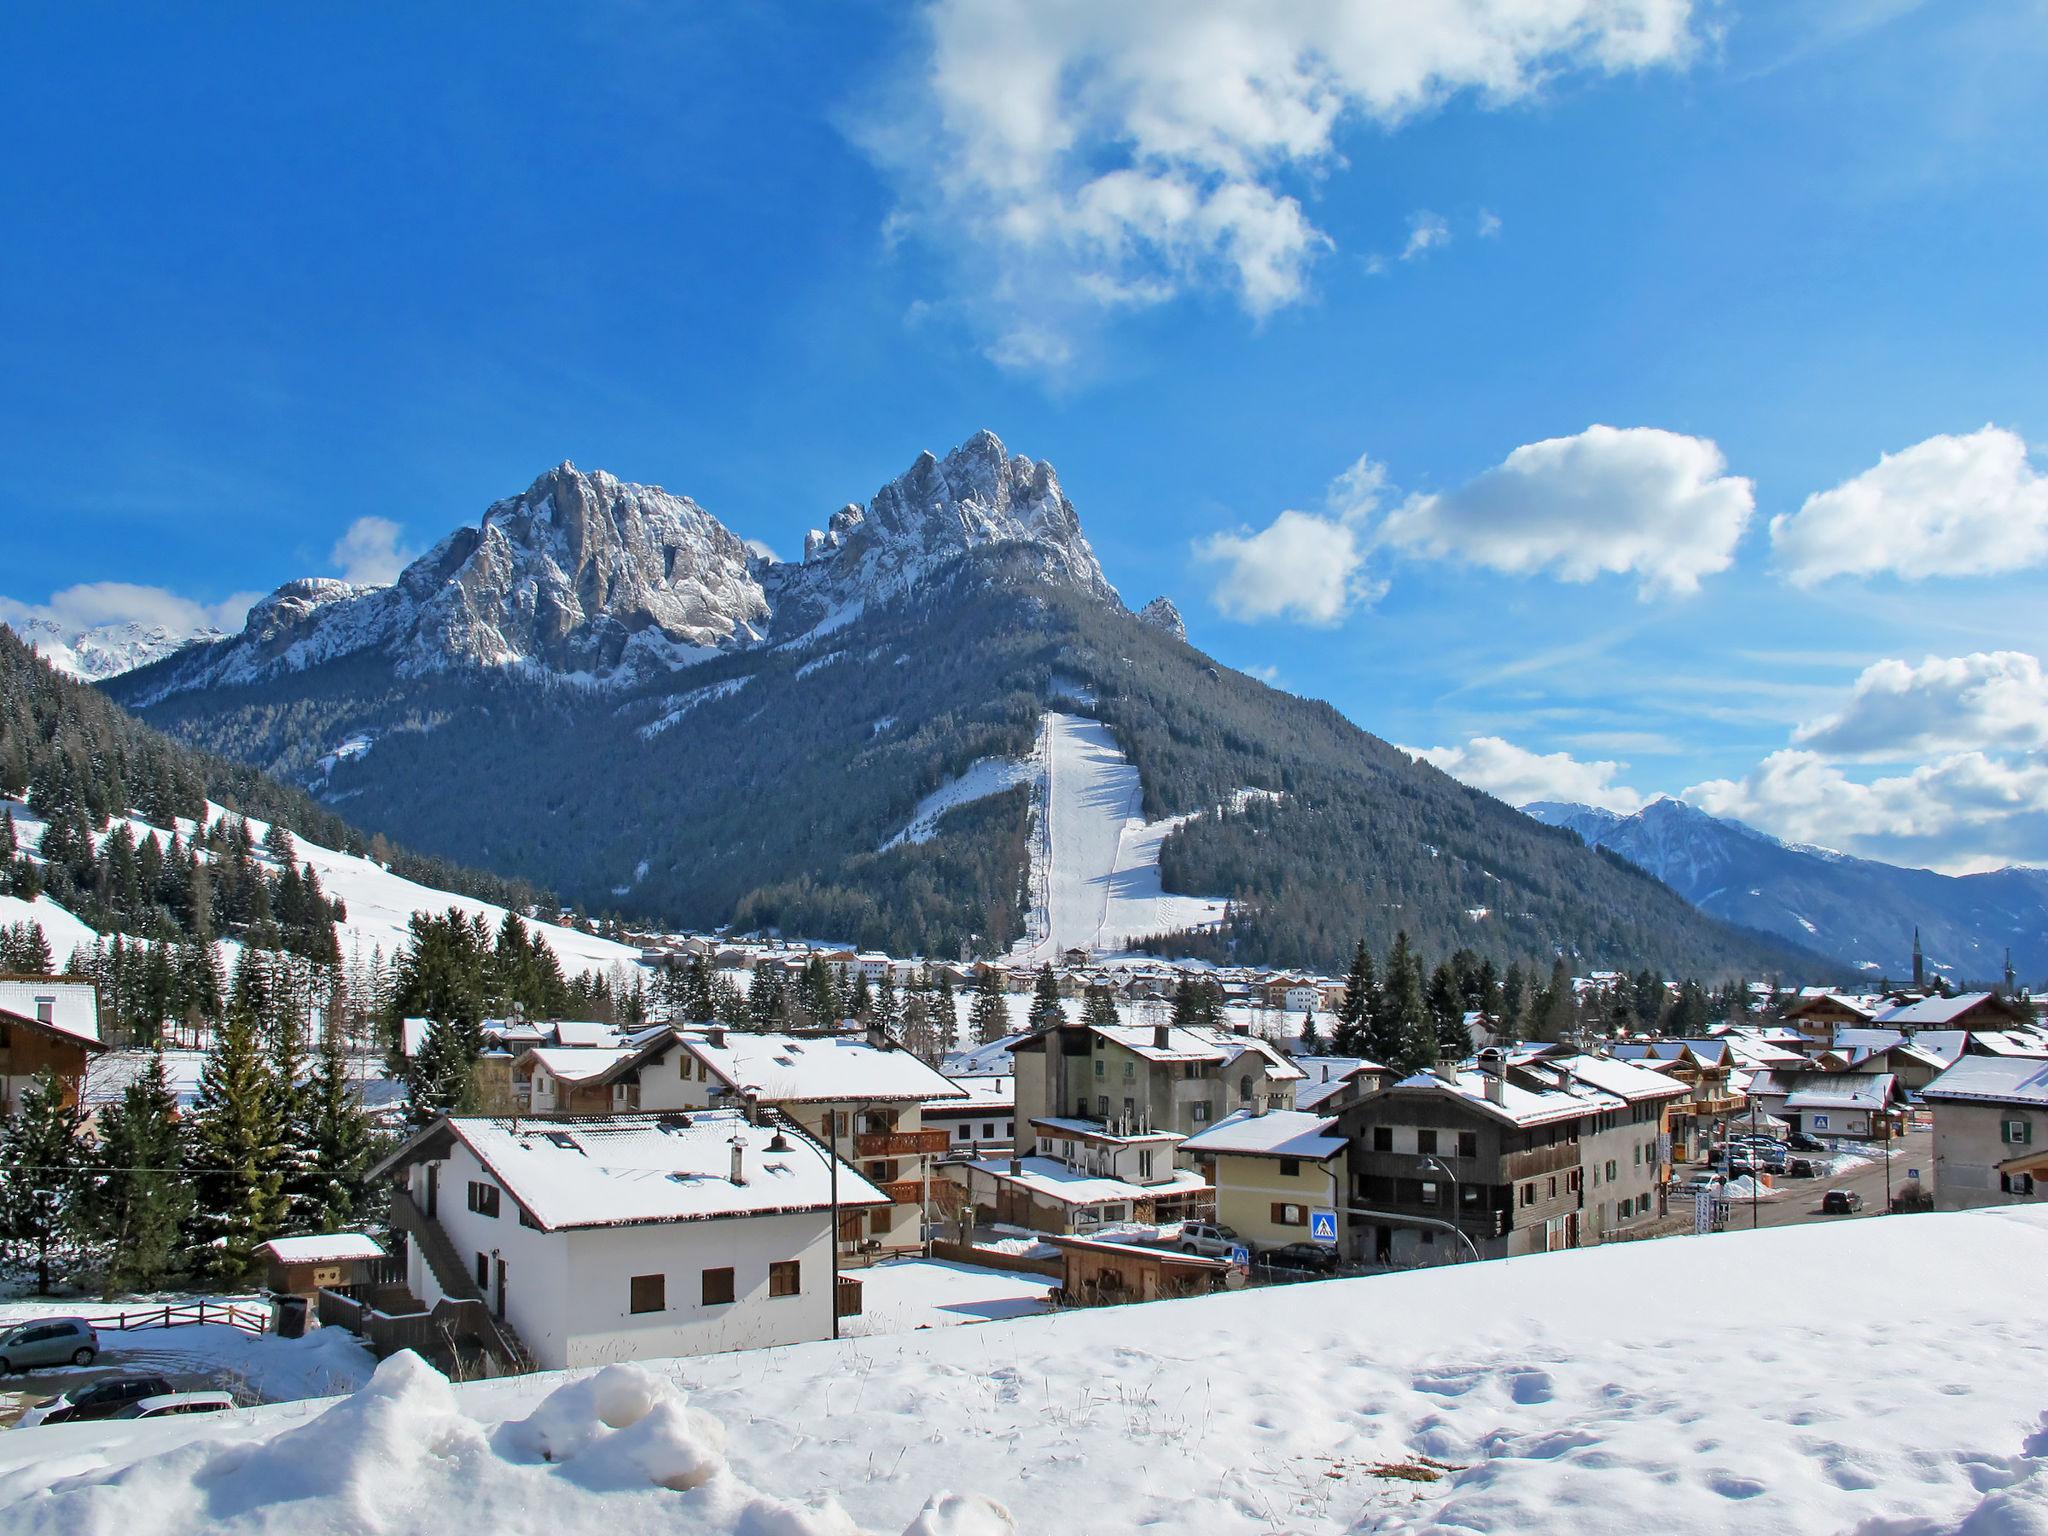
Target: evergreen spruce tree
pixel 1514 1001
pixel 42 1173
pixel 336 1140
pixel 1402 1028
pixel 860 1002
pixel 1556 1013
pixel 142 1202
pixel 1098 1009
pixel 729 1003
pixel 1311 1042
pixel 990 1016
pixel 883 1008
pixel 1447 1014
pixel 237 1150
pixel 1355 1009
pixel 1045 1001
pixel 1387 1024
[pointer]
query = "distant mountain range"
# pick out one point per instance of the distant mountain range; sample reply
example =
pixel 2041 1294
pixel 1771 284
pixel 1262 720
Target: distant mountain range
pixel 600 686
pixel 1859 911
pixel 96 651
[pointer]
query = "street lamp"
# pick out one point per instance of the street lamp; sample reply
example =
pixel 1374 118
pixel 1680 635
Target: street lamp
pixel 1457 1211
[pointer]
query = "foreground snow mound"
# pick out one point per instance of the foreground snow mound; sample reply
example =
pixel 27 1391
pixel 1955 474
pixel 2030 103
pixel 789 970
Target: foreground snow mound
pixel 618 1452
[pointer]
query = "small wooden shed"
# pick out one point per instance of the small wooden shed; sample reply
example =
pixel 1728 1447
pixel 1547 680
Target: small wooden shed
pixel 300 1266
pixel 1100 1273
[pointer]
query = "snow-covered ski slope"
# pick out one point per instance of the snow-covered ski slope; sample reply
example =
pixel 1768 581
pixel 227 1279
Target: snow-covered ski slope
pixel 1095 882
pixel 1095 859
pixel 380 904
pixel 1898 1388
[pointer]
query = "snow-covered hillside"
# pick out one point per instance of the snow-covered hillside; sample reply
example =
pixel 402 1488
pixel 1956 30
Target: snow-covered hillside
pixel 91 652
pixel 380 904
pixel 1596 1392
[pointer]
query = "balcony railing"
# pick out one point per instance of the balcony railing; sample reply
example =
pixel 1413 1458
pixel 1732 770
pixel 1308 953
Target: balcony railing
pixel 900 1143
pixel 904 1191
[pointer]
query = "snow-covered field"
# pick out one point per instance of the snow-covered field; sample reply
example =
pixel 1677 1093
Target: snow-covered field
pixel 1883 1378
pixel 906 1294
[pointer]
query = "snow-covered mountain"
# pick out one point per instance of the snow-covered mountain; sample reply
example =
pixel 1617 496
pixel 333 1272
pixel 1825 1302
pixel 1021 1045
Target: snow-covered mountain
pixel 590 579
pixel 1858 910
pixel 98 651
pixel 978 496
pixel 1162 614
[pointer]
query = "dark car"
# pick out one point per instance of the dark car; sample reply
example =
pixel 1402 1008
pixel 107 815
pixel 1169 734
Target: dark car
pixel 1800 1168
pixel 1306 1258
pixel 1840 1202
pixel 1799 1141
pixel 100 1400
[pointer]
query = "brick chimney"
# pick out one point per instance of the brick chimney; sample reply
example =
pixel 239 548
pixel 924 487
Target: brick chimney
pixel 1162 1036
pixel 1493 1065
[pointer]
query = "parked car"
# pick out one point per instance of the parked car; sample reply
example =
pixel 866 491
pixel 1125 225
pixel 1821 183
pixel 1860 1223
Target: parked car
pixel 169 1404
pixel 1800 1168
pixel 1840 1202
pixel 1703 1180
pixel 100 1400
pixel 1208 1239
pixel 48 1341
pixel 1306 1258
pixel 1799 1141
pixel 1741 1162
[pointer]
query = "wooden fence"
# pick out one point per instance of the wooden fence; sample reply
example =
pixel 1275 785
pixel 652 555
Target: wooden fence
pixel 249 1316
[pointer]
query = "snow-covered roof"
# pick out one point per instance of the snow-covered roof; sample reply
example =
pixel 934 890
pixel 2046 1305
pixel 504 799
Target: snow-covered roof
pixel 1993 1079
pixel 631 1169
pixel 982 1093
pixel 1843 1090
pixel 324 1248
pixel 990 1060
pixel 1068 1186
pixel 585 1033
pixel 2009 1042
pixel 1198 1043
pixel 577 1064
pixel 72 1005
pixel 1277 1133
pixel 1934 1010
pixel 1624 1079
pixel 1097 1130
pixel 1558 1097
pixel 817 1069
pixel 1866 1037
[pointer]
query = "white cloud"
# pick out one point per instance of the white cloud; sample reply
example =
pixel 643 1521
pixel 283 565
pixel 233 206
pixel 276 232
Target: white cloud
pixel 1426 231
pixel 1488 224
pixel 1983 700
pixel 92 604
pixel 1965 811
pixel 1519 776
pixel 1638 500
pixel 370 554
pixel 1950 506
pixel 1079 158
pixel 1299 566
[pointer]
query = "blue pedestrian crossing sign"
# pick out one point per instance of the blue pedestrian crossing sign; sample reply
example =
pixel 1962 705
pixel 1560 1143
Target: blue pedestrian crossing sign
pixel 1322 1227
pixel 1241 1257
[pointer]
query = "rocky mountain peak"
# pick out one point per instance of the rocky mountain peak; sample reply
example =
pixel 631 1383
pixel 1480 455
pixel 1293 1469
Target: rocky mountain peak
pixel 976 497
pixel 1162 614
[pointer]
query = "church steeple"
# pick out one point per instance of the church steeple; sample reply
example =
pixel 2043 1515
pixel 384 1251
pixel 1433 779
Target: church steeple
pixel 1919 961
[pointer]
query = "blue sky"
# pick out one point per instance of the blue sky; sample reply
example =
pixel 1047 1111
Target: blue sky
pixel 271 274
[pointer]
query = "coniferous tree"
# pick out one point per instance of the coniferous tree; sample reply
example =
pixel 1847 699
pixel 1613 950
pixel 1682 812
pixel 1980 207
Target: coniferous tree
pixel 1556 1012
pixel 1311 1042
pixel 42 1172
pixel 1045 1001
pixel 141 1202
pixel 729 1003
pixel 1355 1009
pixel 1098 1008
pixel 1446 1005
pixel 237 1149
pixel 336 1140
pixel 1387 1026
pixel 1402 1029
pixel 990 1016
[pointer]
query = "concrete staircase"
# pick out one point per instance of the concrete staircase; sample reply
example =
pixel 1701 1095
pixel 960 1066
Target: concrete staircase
pixel 462 1312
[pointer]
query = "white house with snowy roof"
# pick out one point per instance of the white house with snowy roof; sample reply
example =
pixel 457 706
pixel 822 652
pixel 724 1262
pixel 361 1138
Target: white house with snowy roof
pixel 629 1237
pixel 1271 1169
pixel 1990 1131
pixel 1163 1076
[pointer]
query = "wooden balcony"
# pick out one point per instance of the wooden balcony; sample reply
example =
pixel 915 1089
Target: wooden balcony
pixel 904 1191
pixel 848 1299
pixel 900 1143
